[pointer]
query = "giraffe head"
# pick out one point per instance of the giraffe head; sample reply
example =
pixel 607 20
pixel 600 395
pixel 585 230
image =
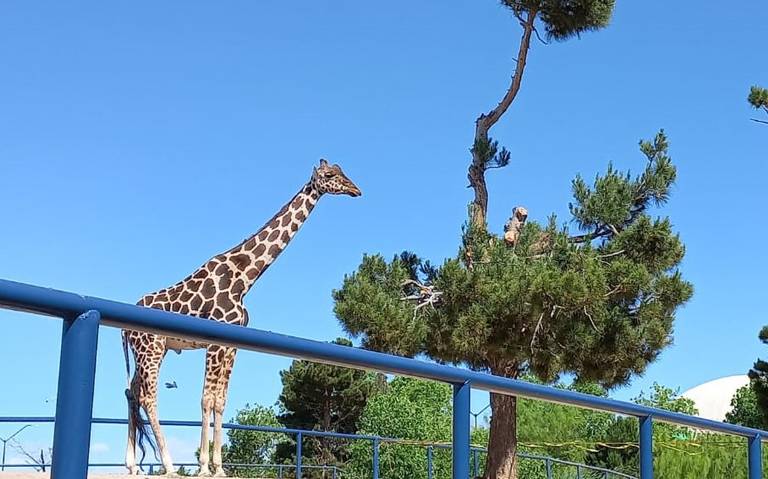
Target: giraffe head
pixel 330 179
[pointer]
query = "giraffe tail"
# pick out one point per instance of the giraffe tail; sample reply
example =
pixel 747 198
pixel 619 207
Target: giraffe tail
pixel 136 420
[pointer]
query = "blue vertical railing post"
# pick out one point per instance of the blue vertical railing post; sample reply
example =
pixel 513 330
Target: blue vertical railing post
pixel 578 472
pixel 280 472
pixel 461 403
pixel 646 447
pixel 429 462
pixel 475 464
pixel 548 464
pixel 299 438
pixel 74 401
pixel 375 445
pixel 755 458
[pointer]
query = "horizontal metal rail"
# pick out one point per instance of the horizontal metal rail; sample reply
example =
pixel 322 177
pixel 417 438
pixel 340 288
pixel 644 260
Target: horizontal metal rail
pixel 121 315
pixel 83 315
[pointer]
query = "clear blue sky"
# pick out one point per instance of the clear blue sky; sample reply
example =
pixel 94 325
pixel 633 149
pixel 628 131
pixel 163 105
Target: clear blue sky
pixel 138 140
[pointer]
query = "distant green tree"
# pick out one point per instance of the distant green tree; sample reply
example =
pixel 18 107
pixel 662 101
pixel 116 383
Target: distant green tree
pixel 745 410
pixel 758 376
pixel 251 447
pixel 618 450
pixel 758 98
pixel 323 398
pixel 561 431
pixel 412 410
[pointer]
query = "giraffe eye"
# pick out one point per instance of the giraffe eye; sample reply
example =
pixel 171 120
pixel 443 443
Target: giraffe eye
pixel 328 174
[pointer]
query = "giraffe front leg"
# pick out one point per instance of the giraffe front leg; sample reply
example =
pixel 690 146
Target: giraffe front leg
pixel 222 386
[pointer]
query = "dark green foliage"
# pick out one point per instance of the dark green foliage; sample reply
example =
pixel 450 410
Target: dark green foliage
pixel 758 97
pixel 745 410
pixel 488 151
pixel 325 398
pixel 759 376
pixel 374 292
pixel 563 19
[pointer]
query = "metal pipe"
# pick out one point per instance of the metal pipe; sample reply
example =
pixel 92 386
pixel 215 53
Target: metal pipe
pixel 375 458
pixel 429 462
pixel 74 403
pixel 299 438
pixel 461 401
pixel 646 447
pixel 755 458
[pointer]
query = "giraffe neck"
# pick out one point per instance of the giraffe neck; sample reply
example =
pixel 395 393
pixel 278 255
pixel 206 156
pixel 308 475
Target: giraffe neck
pixel 254 255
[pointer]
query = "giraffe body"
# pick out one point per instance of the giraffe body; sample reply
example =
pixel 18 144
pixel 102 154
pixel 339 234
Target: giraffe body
pixel 215 291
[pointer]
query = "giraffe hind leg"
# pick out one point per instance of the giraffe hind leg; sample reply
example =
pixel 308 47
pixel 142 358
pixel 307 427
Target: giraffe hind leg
pixel 147 372
pixel 220 401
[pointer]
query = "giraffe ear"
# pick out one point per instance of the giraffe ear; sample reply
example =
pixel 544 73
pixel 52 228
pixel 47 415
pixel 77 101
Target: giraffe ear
pixel 323 162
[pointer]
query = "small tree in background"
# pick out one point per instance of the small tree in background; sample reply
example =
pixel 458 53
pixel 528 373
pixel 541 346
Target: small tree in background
pixel 759 377
pixel 251 447
pixel 758 98
pixel 745 410
pixel 323 398
pixel 619 450
pixel 599 305
pixel 410 409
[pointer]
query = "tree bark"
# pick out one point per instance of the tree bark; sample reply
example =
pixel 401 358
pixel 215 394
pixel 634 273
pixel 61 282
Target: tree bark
pixel 502 444
pixel 485 121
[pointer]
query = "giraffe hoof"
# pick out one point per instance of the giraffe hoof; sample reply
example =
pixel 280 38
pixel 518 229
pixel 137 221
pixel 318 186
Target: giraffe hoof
pixel 204 473
pixel 220 473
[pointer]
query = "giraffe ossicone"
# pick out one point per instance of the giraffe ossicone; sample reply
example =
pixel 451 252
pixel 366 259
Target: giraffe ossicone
pixel 215 291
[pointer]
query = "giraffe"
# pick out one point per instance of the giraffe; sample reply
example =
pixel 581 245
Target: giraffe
pixel 214 291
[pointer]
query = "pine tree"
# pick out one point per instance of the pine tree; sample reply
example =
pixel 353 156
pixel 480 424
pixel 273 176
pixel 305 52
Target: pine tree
pixel 599 304
pixel 324 398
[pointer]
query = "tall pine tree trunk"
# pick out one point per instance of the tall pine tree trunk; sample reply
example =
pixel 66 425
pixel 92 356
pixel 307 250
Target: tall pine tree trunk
pixel 484 122
pixel 502 445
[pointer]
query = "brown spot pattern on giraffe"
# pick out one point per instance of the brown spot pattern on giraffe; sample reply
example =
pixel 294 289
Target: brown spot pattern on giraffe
pixel 209 289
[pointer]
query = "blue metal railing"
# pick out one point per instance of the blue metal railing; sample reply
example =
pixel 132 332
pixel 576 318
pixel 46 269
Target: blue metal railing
pixel 335 471
pixel 84 315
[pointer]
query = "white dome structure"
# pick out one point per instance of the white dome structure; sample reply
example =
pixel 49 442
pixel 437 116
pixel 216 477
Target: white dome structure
pixel 713 398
